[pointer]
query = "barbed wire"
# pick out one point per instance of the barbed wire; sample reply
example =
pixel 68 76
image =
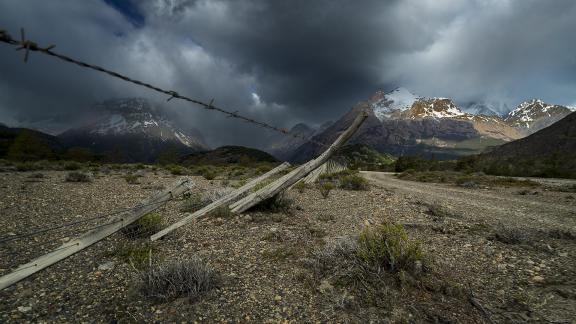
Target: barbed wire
pixel 42 230
pixel 27 46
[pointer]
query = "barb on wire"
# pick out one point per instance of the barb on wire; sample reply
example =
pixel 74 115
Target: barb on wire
pixel 27 45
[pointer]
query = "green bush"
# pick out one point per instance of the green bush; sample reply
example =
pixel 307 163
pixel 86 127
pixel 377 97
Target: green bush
pixel 176 169
pixel 137 254
pixel 353 182
pixel 387 245
pixel 145 226
pixel 325 189
pixel 301 186
pixel 132 178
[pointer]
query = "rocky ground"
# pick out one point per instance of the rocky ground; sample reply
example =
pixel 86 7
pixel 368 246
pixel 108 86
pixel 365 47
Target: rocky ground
pixel 513 252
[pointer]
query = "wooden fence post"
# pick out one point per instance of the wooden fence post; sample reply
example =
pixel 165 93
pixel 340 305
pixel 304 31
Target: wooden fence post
pixel 220 202
pixel 291 178
pixel 95 235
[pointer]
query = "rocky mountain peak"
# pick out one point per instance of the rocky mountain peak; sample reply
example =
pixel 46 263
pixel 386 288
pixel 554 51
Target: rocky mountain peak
pixel 529 113
pixel 434 108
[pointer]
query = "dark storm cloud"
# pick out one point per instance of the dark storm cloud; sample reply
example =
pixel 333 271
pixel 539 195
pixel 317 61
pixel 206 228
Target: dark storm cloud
pixel 287 61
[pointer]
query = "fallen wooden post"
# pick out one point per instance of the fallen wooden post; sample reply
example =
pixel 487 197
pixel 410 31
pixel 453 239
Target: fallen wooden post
pixel 220 202
pixel 291 178
pixel 95 235
pixel 329 167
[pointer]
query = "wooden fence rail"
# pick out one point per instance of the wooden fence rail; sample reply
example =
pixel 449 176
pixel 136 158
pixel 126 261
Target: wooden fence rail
pixel 95 235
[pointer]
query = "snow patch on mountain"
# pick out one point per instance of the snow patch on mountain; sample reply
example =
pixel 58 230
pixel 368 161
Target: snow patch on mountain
pixel 400 99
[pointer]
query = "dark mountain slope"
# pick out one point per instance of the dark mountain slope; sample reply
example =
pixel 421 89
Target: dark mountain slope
pixel 550 152
pixel 229 154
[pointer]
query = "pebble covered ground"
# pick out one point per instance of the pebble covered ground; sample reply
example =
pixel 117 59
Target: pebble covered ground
pixel 260 256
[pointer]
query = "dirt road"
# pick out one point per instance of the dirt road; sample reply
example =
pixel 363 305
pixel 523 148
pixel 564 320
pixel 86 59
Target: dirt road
pixel 551 209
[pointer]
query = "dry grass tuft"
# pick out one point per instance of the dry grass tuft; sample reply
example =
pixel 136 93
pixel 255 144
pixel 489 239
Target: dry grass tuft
pixel 183 278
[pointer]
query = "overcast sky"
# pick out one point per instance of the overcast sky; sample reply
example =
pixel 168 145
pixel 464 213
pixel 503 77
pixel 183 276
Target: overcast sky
pixel 284 61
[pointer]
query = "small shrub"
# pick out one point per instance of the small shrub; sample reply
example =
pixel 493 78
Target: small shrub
pixel 36 176
pixel 137 254
pixel 210 175
pixel 132 178
pixel 72 166
pixel 176 169
pixel 77 177
pixel 183 278
pixel 221 212
pixel 301 186
pixel 510 235
pixel 145 226
pixel 387 246
pixel 25 166
pixel 438 212
pixel 325 189
pixel 353 182
pixel 192 204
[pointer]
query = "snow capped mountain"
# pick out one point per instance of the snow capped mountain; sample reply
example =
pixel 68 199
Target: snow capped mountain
pixel 384 104
pixel 535 114
pixel 136 116
pixel 135 128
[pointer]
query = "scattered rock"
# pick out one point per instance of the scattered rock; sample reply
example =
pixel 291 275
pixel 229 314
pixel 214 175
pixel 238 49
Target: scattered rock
pixel 24 309
pixel 538 279
pixel 107 266
pixel 325 287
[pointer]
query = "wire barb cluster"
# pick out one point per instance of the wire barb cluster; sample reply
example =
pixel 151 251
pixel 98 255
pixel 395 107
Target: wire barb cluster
pixel 27 46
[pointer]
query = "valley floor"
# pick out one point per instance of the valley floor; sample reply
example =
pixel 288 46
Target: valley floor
pixel 516 253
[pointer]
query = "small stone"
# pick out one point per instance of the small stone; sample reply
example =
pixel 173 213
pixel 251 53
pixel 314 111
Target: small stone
pixel 488 250
pixel 65 239
pixel 467 245
pixel 218 221
pixel 24 309
pixel 563 254
pixel 273 229
pixel 418 267
pixel 278 298
pixel 107 266
pixel 325 287
pixel 248 218
pixel 538 279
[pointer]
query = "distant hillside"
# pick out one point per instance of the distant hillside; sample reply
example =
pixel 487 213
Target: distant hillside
pixel 550 152
pixel 359 156
pixel 27 144
pixel 229 154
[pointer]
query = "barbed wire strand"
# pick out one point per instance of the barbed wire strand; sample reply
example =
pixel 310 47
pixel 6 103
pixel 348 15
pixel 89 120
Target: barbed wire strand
pixel 57 227
pixel 27 46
